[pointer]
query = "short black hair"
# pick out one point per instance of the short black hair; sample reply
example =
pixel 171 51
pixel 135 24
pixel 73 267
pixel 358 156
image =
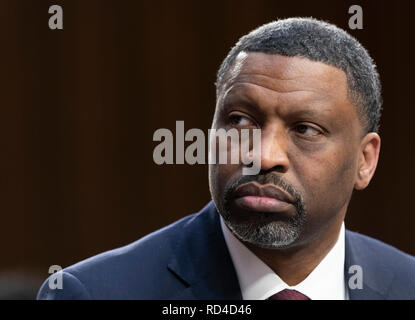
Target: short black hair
pixel 323 42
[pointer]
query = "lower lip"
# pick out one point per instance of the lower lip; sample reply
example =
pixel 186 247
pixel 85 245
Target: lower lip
pixel 262 204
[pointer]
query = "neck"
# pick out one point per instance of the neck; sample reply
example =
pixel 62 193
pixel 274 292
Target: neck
pixel 295 263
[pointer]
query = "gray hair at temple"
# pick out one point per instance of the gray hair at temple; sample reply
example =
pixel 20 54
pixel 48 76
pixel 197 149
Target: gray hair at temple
pixel 323 42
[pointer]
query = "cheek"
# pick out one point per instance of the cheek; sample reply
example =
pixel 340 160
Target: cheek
pixel 327 180
pixel 221 176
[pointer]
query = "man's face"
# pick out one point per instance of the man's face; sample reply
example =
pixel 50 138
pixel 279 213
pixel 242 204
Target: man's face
pixel 310 147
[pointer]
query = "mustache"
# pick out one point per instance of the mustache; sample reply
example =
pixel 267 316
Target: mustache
pixel 266 178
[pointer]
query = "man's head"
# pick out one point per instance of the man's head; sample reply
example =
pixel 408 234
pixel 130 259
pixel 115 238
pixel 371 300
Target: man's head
pixel 314 92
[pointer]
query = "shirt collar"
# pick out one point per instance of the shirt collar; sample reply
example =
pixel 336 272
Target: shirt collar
pixel 258 282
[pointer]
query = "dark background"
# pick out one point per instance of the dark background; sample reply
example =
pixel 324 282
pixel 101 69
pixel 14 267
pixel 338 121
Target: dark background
pixel 79 106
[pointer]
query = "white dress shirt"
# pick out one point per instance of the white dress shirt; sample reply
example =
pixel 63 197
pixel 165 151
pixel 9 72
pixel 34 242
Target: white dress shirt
pixel 258 282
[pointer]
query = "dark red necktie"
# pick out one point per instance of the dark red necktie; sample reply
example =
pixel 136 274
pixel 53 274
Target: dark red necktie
pixel 288 294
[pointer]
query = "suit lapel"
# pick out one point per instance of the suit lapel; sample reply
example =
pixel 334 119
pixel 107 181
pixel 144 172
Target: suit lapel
pixel 201 259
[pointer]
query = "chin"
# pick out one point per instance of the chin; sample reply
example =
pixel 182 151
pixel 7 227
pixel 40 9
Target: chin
pixel 272 235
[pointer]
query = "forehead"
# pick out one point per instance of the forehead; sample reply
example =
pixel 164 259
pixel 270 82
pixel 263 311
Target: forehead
pixel 276 83
pixel 287 74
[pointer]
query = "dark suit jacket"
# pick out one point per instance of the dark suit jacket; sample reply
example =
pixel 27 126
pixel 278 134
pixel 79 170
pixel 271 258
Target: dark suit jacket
pixel 189 259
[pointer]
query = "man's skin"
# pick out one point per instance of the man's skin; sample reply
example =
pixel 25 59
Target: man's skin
pixel 312 136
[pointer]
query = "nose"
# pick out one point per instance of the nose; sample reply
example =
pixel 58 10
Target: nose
pixel 274 151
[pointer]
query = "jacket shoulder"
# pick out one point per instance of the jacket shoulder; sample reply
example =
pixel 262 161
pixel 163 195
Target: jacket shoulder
pixel 379 248
pixel 384 261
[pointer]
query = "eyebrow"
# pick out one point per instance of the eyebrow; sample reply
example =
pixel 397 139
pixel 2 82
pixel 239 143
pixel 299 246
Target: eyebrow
pixel 245 100
pixel 241 100
pixel 311 112
pixel 238 97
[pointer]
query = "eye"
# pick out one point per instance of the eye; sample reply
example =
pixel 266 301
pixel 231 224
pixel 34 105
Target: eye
pixel 238 120
pixel 307 130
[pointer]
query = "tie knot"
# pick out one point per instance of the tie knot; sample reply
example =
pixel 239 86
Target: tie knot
pixel 288 294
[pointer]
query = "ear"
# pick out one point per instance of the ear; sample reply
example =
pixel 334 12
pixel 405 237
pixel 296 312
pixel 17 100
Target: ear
pixel 368 160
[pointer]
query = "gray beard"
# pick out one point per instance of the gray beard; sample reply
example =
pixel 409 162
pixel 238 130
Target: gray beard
pixel 260 229
pixel 270 235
